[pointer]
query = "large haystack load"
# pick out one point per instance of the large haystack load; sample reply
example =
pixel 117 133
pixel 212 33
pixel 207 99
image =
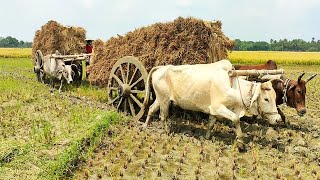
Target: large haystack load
pixel 53 36
pixel 183 41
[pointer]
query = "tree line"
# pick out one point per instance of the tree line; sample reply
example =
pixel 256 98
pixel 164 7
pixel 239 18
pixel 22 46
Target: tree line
pixel 11 42
pixel 280 45
pixel 273 45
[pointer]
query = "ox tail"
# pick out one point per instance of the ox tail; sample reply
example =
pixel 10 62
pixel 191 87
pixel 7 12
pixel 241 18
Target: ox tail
pixel 148 88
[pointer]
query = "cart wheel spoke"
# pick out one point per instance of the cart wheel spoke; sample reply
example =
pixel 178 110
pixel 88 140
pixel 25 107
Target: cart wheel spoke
pixel 113 88
pixel 125 105
pixel 112 101
pixel 136 101
pixel 133 113
pixel 138 92
pixel 134 73
pixel 128 71
pixel 122 74
pixel 120 101
pixel 135 83
pixel 117 79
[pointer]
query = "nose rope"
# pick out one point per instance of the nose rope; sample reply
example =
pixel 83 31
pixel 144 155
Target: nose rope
pixel 250 93
pixel 285 90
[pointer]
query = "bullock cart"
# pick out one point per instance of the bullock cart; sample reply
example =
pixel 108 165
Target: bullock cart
pixel 68 60
pixel 128 78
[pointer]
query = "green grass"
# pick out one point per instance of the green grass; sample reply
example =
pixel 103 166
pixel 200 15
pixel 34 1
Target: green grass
pixel 42 134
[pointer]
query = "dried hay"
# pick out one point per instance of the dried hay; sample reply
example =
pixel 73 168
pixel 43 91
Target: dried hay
pixel 183 41
pixel 53 36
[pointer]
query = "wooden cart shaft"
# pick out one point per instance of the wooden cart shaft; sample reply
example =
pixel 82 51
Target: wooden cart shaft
pixel 67 58
pixel 255 72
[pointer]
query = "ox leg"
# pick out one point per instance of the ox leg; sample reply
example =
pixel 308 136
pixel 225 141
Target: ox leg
pixel 164 112
pixel 52 85
pixel 283 117
pixel 42 76
pixel 226 113
pixel 153 108
pixel 60 86
pixel 212 121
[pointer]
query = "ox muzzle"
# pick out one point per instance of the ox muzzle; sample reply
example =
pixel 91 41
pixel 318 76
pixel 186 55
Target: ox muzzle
pixel 273 118
pixel 302 111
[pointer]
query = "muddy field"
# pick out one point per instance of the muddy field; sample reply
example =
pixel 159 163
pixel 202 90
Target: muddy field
pixel 273 152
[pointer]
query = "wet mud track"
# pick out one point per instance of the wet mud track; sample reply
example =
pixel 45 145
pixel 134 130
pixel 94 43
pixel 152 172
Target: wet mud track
pixel 130 152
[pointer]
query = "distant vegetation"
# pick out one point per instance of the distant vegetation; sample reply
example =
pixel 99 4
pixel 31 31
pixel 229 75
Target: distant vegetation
pixel 280 45
pixel 298 45
pixel 11 42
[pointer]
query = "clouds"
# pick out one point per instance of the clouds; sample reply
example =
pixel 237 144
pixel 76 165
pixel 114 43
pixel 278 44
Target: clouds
pixel 246 19
pixel 88 4
pixel 183 3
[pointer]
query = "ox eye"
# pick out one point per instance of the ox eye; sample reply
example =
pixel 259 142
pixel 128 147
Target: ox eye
pixel 266 99
pixel 299 91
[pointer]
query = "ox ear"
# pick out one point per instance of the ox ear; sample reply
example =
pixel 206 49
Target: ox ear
pixel 256 93
pixel 60 70
pixel 311 77
pixel 277 84
pixel 265 87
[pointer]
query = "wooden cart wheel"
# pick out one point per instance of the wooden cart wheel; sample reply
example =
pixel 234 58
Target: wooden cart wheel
pixel 38 68
pixel 126 86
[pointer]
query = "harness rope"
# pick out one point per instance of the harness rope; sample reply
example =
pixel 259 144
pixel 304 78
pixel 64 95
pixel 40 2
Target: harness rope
pixel 285 90
pixel 250 93
pixel 262 113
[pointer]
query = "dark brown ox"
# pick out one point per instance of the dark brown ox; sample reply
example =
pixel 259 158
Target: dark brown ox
pixel 270 65
pixel 290 92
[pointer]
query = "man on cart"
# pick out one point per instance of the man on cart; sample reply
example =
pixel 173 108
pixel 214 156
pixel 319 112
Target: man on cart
pixel 88 46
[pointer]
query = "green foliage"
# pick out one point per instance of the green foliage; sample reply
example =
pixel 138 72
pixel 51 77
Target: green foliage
pixel 281 45
pixel 10 42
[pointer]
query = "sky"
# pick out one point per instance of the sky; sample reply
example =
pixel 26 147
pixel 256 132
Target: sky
pixel 254 20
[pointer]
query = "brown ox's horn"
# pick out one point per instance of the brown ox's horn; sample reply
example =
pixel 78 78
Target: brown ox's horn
pixel 311 77
pixel 299 78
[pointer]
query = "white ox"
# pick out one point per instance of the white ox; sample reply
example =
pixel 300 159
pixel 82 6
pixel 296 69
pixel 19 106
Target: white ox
pixel 56 70
pixel 209 89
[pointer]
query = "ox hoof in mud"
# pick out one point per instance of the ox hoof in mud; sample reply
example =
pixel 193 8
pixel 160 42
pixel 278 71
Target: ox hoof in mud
pixel 241 145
